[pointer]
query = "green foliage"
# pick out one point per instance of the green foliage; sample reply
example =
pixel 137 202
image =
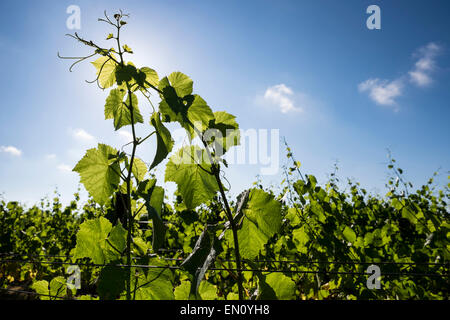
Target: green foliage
pixel 262 220
pixel 164 140
pixel 105 67
pixel 56 289
pixel 119 109
pixel 311 241
pixel 99 172
pixel 100 241
pixel 189 169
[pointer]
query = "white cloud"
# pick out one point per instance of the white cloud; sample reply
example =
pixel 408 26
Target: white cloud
pixel 281 96
pixel 420 75
pixel 383 92
pixel 420 78
pixel 11 150
pixel 82 135
pixel 64 168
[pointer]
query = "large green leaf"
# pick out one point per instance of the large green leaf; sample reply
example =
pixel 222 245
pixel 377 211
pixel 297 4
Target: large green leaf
pixel 207 291
pixel 194 184
pixel 117 242
pixel 127 74
pixel 276 286
pixel 111 282
pixel 113 102
pixel 99 241
pixel 193 113
pixel 300 238
pixel 226 124
pixel 349 234
pixel 154 198
pixel 99 172
pixel 155 285
pixel 150 76
pixel 139 169
pixel 174 88
pixel 182 292
pixel 118 109
pixel 180 82
pixel 164 140
pixel 106 71
pixel 199 114
pixel 55 290
pixel 262 219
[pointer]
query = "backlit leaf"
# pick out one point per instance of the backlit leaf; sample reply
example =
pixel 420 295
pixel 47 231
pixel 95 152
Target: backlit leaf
pixel 99 173
pixel 194 184
pixel 262 219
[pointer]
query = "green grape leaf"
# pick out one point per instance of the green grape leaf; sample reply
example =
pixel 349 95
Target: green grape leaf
pixel 170 113
pixel 155 285
pixel 117 242
pixel 154 198
pixel 300 238
pixel 116 108
pixel 300 187
pixel 111 282
pixel 127 49
pixel 99 173
pixel 150 76
pixel 194 184
pixel 87 298
pixel 164 140
pixel 113 102
pixel 262 219
pixel 106 71
pixel 232 296
pixel 293 217
pixel 282 285
pixel 141 245
pixel 182 291
pixel 275 286
pixel 98 240
pixel 182 84
pixel 349 234
pixel 154 213
pixel 56 289
pixel 229 131
pixel 139 169
pixel 199 114
pixel 91 240
pixel 171 106
pixel 41 287
pixel 157 199
pixel 126 73
pixel 207 291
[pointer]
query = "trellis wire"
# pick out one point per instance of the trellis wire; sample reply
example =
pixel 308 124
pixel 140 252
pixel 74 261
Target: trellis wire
pixel 31 293
pixel 412 274
pixel 445 264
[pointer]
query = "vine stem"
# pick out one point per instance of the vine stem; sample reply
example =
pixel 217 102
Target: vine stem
pixel 128 178
pixel 216 173
pixel 234 231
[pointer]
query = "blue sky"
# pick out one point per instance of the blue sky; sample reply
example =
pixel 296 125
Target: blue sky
pixel 312 69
